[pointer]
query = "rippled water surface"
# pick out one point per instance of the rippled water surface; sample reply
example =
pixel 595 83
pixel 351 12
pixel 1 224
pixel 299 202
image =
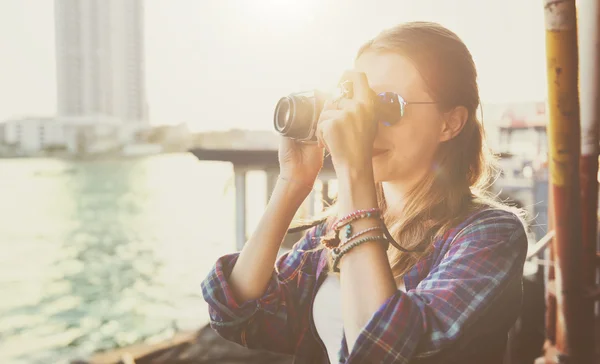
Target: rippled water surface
pixel 95 255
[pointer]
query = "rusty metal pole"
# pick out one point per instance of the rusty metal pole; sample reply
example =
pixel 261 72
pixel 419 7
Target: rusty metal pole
pixel 589 57
pixel 550 279
pixel 564 138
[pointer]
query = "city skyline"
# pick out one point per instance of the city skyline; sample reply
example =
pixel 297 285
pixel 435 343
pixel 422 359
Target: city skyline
pixel 219 65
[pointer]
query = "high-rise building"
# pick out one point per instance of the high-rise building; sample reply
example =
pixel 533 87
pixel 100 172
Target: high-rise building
pixel 100 60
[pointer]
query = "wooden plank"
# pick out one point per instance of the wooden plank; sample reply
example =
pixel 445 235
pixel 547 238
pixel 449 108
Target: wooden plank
pixel 251 159
pixel 139 350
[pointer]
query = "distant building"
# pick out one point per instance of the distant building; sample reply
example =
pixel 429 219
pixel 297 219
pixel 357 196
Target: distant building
pixel 171 137
pixel 33 135
pixel 100 61
pixel 516 127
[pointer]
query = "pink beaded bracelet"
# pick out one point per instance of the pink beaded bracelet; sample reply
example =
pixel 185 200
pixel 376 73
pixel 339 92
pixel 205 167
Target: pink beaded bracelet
pixel 359 214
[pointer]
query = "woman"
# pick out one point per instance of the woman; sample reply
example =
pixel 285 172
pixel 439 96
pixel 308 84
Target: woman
pixel 448 288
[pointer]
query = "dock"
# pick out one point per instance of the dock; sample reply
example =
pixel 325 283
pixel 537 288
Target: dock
pixel 200 347
pixel 253 151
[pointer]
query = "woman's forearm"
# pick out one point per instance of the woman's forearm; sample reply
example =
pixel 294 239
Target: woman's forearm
pixel 365 274
pixel 254 267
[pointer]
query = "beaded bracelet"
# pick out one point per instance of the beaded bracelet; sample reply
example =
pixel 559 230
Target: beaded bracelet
pixel 333 240
pixel 338 253
pixel 360 233
pixel 359 214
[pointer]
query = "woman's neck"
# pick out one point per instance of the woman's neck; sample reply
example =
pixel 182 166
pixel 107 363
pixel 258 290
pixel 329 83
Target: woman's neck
pixel 396 192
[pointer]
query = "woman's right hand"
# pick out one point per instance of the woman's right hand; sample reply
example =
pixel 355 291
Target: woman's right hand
pixel 299 162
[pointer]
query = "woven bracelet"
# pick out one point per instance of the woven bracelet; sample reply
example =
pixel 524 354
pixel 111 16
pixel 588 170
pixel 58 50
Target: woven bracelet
pixel 338 253
pixel 333 240
pixel 358 234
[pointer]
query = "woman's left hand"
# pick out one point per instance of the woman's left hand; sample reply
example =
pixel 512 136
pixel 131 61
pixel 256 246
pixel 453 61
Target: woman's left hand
pixel 346 128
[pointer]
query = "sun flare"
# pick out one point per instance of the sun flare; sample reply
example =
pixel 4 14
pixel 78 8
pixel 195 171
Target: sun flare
pixel 282 14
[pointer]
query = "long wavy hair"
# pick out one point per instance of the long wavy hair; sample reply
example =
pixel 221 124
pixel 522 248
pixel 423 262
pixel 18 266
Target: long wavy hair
pixel 463 168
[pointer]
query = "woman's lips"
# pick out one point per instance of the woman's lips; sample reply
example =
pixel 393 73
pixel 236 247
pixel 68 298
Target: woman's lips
pixel 377 151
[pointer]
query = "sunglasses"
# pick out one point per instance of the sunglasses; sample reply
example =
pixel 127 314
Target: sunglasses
pixel 390 107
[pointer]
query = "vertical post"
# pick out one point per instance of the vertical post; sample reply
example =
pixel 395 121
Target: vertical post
pixel 572 340
pixel 589 48
pixel 240 207
pixel 325 193
pixel 589 58
pixel 551 310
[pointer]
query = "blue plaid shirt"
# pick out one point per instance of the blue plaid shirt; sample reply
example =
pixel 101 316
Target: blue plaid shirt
pixel 460 301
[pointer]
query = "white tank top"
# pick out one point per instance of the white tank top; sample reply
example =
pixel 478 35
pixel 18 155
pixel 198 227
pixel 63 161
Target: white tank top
pixel 327 315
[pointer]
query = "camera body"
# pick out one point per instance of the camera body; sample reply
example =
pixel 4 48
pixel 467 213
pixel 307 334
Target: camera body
pixel 297 114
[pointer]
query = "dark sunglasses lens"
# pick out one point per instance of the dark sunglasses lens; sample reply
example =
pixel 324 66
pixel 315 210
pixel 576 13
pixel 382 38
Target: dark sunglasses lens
pixel 389 110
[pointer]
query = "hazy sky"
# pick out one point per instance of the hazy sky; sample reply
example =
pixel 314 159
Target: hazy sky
pixel 217 64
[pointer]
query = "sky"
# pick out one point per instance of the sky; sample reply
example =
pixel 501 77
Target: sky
pixel 221 64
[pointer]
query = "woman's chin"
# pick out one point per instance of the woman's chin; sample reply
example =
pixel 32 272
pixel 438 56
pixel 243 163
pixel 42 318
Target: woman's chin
pixel 379 176
pixel 380 170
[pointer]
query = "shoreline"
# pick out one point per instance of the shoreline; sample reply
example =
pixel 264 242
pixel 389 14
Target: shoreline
pixel 90 158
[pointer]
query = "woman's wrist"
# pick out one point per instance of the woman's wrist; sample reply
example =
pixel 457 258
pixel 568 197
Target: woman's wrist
pixel 298 183
pixel 356 188
pixel 352 169
pixel 290 189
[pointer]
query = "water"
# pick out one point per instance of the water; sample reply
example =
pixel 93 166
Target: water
pixel 95 255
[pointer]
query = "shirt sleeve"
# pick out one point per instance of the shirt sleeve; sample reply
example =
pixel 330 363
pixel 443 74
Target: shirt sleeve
pixel 277 320
pixel 482 261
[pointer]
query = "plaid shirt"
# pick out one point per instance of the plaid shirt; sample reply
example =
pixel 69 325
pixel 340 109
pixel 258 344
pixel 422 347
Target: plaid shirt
pixel 460 301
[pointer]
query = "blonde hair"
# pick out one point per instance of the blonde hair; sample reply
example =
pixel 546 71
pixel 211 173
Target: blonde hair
pixel 463 168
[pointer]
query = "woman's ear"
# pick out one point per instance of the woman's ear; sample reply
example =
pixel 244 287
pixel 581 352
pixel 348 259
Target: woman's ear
pixel 454 121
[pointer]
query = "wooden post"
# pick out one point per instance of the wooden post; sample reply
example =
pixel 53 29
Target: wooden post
pixel 240 207
pixel 325 194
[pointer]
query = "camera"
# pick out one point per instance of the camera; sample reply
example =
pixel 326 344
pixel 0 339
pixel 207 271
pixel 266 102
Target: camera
pixel 297 114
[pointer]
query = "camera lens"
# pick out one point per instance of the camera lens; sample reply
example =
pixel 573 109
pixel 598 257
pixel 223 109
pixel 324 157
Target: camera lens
pixel 283 112
pixel 294 116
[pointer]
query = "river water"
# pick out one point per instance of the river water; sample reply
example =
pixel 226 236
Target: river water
pixel 96 255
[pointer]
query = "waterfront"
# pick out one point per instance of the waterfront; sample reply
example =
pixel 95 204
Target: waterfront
pixel 101 254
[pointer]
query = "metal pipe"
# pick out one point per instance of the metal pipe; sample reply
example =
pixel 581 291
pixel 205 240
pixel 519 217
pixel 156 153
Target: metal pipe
pixel 564 134
pixel 589 57
pixel 589 50
pixel 550 255
pixel 540 245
